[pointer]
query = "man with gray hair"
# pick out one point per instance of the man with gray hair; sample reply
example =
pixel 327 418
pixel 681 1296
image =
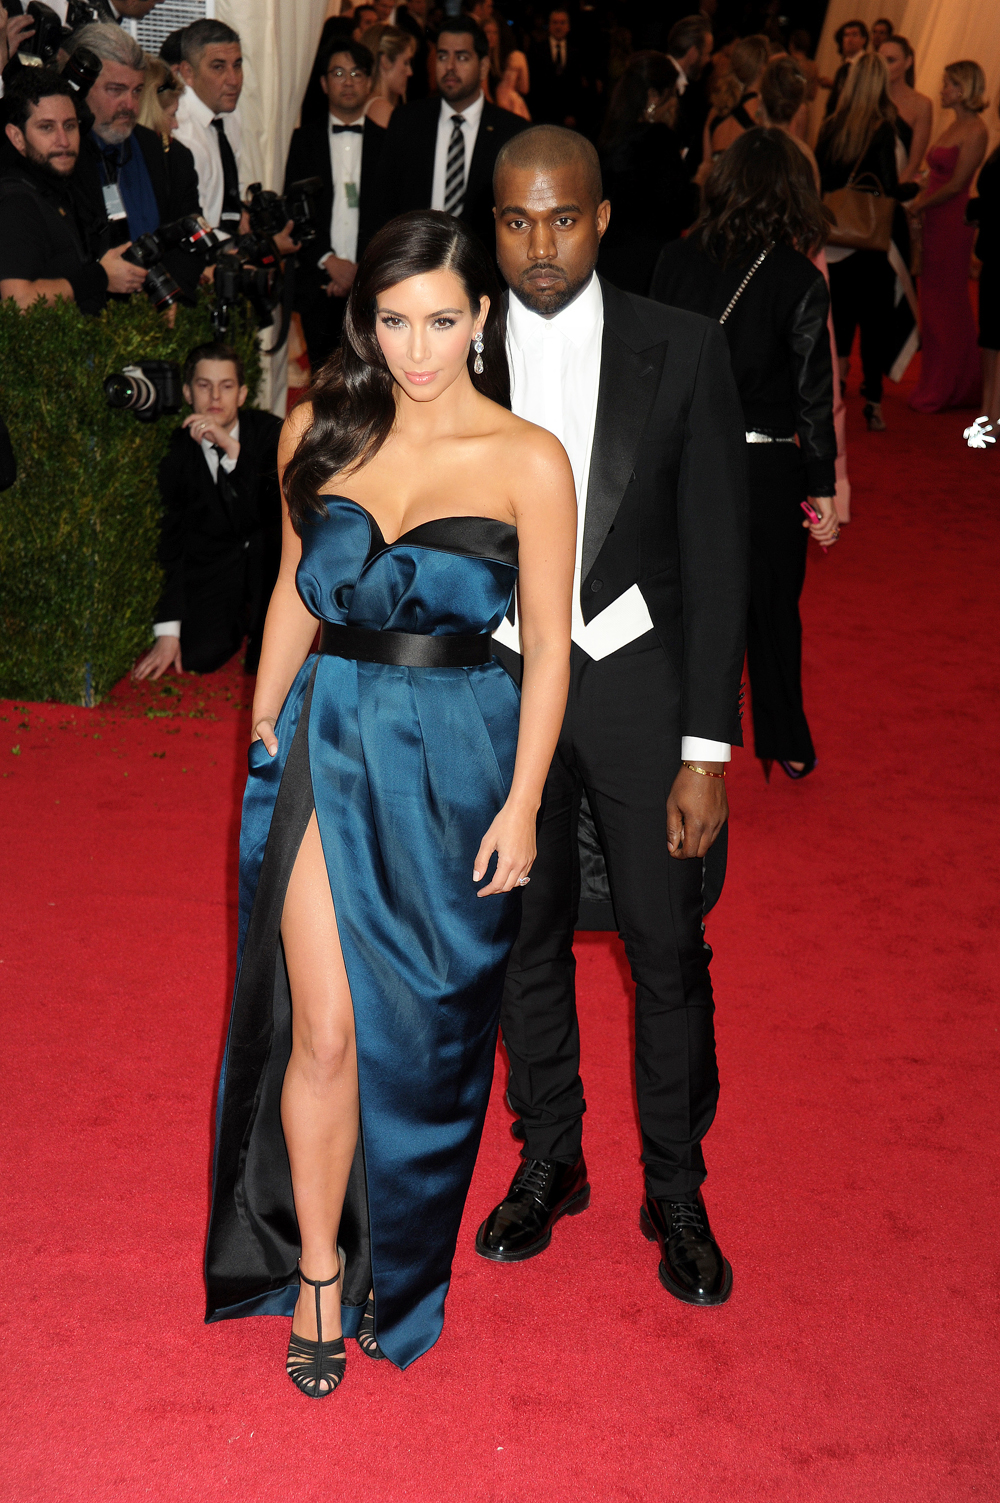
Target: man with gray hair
pixel 126 184
pixel 212 69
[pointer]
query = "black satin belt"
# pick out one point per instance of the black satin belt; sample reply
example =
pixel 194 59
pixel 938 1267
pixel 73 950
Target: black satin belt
pixel 406 649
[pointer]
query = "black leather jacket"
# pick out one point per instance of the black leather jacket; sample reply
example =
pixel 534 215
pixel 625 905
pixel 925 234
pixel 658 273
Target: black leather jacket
pixel 779 342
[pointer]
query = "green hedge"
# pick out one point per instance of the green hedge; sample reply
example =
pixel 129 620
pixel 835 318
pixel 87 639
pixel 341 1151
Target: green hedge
pixel 79 579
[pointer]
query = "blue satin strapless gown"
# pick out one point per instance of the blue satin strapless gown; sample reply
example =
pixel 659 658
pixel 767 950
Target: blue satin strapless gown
pixel 406 769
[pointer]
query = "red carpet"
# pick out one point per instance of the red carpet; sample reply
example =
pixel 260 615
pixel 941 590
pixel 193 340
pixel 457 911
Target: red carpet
pixel 853 1164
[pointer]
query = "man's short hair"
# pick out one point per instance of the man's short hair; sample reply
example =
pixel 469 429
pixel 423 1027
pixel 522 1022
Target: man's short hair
pixel 462 26
pixel 360 54
pixel 688 32
pixel 202 34
pixel 30 87
pixel 172 47
pixel 112 44
pixel 215 350
pixel 547 147
pixel 838 35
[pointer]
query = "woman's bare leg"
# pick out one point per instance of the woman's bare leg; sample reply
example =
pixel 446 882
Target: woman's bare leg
pixel 319 1099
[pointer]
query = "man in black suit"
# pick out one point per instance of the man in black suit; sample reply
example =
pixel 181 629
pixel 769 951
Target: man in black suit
pixel 344 152
pixel 643 399
pixel 558 87
pixel 689 48
pixel 220 539
pixel 440 152
pixel 127 184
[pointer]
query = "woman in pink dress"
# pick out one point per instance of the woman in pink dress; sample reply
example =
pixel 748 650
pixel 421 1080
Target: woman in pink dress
pixel 950 367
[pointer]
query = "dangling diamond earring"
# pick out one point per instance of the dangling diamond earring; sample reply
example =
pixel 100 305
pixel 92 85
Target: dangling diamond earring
pixel 477 345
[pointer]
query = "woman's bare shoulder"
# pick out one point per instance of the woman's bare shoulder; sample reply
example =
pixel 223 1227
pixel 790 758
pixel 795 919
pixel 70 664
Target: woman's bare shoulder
pixel 535 448
pixel 295 425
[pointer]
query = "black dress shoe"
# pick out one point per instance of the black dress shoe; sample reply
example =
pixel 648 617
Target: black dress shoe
pixel 692 1267
pixel 541 1191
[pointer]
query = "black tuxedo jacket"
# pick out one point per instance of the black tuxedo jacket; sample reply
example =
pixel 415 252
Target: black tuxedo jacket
pixel 406 172
pixel 667 500
pixel 200 540
pixel 309 156
pixel 554 95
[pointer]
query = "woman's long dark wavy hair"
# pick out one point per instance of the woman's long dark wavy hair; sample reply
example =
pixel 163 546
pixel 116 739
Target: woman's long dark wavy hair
pixel 353 401
pixel 761 192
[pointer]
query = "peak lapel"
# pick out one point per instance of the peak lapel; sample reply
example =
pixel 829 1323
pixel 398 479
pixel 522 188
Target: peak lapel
pixel 630 374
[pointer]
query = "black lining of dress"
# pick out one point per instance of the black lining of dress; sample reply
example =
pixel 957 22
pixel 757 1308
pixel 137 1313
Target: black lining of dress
pixel 253 1242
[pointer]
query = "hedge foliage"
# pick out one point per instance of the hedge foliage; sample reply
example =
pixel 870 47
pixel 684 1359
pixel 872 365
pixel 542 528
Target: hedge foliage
pixel 79 579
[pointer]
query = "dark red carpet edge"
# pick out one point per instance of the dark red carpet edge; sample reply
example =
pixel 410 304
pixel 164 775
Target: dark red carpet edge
pixel 853 1163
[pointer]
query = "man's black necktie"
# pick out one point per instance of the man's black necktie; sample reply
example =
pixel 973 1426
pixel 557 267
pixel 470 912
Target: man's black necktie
pixel 232 208
pixel 356 130
pixel 226 489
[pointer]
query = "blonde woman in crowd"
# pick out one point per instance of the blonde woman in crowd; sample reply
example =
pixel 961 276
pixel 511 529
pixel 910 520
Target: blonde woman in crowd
pixel 393 49
pixel 160 96
pixel 747 62
pixel 950 373
pixel 860 138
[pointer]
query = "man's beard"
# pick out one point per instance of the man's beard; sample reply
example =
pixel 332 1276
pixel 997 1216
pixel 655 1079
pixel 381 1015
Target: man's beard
pixel 554 299
pixel 118 129
pixel 44 161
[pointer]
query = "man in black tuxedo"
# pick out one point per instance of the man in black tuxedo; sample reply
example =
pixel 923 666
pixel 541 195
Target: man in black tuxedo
pixel 220 539
pixel 440 152
pixel 344 153
pixel 643 399
pixel 558 86
pixel 689 48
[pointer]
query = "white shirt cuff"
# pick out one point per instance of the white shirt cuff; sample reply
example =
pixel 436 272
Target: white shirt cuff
pixel 166 629
pixel 697 749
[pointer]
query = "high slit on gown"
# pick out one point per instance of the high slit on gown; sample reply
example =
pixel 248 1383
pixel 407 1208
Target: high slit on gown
pixel 406 769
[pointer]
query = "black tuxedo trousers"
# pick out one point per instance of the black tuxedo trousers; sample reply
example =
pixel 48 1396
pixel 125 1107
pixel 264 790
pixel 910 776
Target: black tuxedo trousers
pixel 620 741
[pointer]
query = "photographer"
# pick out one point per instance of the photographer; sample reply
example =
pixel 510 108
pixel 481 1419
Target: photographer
pixel 220 543
pixel 43 248
pixel 129 182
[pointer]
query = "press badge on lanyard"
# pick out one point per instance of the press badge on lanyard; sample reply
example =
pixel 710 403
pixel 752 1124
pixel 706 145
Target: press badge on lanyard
pixel 352 195
pixel 113 206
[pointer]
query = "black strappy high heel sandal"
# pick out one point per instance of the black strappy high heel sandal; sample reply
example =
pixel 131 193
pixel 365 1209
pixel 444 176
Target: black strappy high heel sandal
pixel 311 1364
pixel 366 1333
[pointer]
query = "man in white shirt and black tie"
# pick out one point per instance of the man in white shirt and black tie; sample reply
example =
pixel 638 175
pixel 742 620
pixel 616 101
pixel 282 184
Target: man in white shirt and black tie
pixel 212 70
pixel 440 152
pixel 344 153
pixel 643 399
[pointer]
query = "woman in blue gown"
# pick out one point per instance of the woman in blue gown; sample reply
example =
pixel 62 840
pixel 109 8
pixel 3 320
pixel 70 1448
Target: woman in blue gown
pixel 394 781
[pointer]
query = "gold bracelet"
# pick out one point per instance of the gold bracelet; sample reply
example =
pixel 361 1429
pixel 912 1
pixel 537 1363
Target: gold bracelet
pixel 703 770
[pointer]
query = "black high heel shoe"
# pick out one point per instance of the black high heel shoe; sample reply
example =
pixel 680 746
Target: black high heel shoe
pixel 311 1364
pixel 366 1333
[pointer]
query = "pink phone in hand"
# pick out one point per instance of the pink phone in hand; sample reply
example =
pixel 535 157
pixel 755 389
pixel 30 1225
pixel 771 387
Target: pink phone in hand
pixel 814 517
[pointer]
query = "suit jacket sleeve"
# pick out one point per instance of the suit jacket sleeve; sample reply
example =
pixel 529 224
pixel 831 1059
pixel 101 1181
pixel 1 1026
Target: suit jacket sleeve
pixel 713 525
pixel 303 162
pixel 173 496
pixel 255 477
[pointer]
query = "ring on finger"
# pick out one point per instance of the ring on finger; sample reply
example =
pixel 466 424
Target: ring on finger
pixel 523 881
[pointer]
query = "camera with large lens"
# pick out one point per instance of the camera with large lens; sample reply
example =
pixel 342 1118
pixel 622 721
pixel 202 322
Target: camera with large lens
pixel 83 68
pixel 147 389
pixel 191 234
pixel 48 34
pixel 270 212
pixel 247 268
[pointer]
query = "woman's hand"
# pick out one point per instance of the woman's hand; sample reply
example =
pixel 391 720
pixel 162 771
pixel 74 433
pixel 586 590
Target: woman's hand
pixel 512 836
pixel 827 530
pixel 264 731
